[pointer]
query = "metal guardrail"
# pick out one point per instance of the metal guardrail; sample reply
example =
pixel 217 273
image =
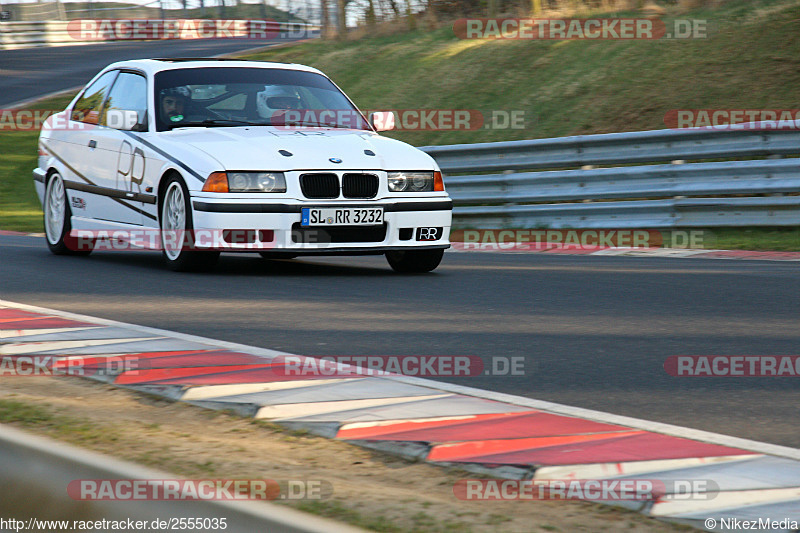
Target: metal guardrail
pixel 36 471
pixel 639 190
pixel 54 33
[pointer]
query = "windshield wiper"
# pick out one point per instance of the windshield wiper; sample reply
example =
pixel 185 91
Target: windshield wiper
pixel 212 122
pixel 317 125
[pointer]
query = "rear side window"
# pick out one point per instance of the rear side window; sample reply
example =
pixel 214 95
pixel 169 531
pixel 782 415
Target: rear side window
pixel 129 94
pixel 87 108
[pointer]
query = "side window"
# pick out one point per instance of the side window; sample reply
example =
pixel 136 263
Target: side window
pixel 128 94
pixel 87 108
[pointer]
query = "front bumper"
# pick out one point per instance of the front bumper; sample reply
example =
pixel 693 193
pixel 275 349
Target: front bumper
pixel 280 222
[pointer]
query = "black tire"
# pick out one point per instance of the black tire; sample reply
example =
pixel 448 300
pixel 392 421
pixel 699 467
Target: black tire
pixel 277 255
pixel 414 261
pixel 183 258
pixel 60 242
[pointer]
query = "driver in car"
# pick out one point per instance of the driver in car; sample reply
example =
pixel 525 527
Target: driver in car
pixel 173 103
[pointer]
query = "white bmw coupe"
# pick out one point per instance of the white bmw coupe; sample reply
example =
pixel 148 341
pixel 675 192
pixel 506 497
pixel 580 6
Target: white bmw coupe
pixel 197 156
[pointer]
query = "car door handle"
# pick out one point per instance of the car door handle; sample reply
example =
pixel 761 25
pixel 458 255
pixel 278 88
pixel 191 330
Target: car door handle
pixel 92 144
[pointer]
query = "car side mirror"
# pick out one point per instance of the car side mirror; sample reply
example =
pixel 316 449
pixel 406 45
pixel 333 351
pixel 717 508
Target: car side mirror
pixel 125 119
pixel 141 126
pixel 382 120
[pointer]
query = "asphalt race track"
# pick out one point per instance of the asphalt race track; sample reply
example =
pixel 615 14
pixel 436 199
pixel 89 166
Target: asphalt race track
pixel 594 331
pixel 32 72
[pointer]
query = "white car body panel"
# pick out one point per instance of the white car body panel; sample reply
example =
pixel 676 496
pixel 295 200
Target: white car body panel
pixel 115 184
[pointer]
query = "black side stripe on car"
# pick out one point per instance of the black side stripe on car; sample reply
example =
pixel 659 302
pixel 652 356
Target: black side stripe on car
pixel 164 154
pixel 96 189
pixel 282 208
pixel 112 193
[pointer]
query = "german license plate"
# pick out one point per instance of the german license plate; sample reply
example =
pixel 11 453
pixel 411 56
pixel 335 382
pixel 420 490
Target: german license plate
pixel 342 216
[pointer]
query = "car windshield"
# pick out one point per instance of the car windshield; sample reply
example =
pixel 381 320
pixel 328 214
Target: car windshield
pixel 245 96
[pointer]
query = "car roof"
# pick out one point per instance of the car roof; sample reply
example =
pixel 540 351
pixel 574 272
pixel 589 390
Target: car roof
pixel 151 66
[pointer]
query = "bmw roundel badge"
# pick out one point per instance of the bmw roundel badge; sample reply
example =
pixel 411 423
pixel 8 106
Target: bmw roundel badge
pixel 335 160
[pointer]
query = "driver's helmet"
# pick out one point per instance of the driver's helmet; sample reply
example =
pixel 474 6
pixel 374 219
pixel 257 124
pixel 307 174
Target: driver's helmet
pixel 290 100
pixel 172 103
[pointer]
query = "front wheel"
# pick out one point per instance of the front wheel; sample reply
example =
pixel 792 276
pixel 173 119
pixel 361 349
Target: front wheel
pixel 58 221
pixel 414 261
pixel 177 230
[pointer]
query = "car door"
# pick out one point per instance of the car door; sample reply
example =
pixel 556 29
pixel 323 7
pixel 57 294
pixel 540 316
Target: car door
pixel 75 146
pixel 120 157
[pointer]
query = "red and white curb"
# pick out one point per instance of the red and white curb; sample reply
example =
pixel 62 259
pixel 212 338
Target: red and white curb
pixel 483 431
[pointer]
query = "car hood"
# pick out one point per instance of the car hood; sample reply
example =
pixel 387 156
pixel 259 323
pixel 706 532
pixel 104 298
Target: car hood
pixel 259 148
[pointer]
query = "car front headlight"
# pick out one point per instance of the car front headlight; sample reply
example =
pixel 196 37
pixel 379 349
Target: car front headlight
pixel 256 182
pixel 415 181
pixel 245 182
